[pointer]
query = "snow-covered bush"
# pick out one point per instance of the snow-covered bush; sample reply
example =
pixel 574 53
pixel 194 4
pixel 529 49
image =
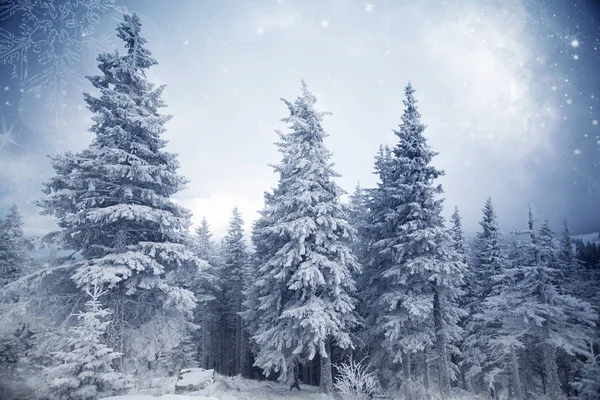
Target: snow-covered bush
pixel 84 371
pixel 356 380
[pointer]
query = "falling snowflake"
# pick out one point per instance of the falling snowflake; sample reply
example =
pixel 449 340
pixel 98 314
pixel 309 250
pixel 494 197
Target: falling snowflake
pixel 575 57
pixel 47 41
pixel 554 88
pixel 569 101
pixel 324 23
pixel 574 43
pixel 577 152
pixel 595 122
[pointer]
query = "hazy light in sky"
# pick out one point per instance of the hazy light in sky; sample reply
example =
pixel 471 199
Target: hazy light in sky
pixel 490 113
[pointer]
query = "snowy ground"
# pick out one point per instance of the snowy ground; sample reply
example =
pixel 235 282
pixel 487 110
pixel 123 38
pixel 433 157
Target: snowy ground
pixel 236 388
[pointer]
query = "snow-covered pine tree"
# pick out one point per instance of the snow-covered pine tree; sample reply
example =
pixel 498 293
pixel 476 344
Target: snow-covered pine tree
pixel 489 264
pixel 206 314
pixel 418 273
pixel 263 251
pixel 112 200
pixel 233 277
pixel 357 214
pixel 203 243
pixel 458 236
pixel 588 385
pixel 529 310
pixel 490 254
pixel 13 247
pixel 575 279
pixel 15 334
pixel 368 282
pixel 462 249
pixel 305 282
pixel 570 280
pixel 84 371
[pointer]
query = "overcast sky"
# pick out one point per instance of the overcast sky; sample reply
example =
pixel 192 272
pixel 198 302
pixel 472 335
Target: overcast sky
pixel 508 90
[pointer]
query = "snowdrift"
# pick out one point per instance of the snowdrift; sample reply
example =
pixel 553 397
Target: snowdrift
pixel 233 388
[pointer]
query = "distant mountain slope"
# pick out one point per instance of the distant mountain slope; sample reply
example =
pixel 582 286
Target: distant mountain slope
pixel 593 237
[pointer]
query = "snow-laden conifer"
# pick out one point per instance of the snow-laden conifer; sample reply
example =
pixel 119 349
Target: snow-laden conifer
pixel 13 247
pixel 417 274
pixel 113 199
pixel 305 285
pixel 233 278
pixel 84 370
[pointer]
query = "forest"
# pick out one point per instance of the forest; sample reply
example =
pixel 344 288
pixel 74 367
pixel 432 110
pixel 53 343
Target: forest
pixel 379 291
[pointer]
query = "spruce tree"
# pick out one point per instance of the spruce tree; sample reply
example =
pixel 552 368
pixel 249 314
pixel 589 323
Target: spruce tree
pixel 490 254
pixel 462 249
pixel 207 312
pixel 458 236
pixel 489 264
pixel 588 385
pixel 357 216
pixel 233 278
pixel 371 333
pixel 204 246
pixel 305 286
pixel 84 371
pixel 417 275
pixel 531 312
pixel 13 247
pixel 113 200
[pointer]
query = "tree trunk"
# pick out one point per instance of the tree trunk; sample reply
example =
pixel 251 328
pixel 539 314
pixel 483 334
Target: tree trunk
pixel 515 381
pixel 553 389
pixel 528 383
pixel 463 379
pixel 118 303
pixel 543 376
pixel 306 373
pixel 440 342
pixel 426 371
pixel 326 383
pixel 406 371
pixel 240 346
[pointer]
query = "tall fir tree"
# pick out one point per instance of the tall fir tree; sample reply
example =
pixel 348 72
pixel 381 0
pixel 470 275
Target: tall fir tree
pixel 357 217
pixel 207 313
pixel 588 384
pixel 113 199
pixel 459 244
pixel 531 312
pixel 13 247
pixel 84 371
pixel 490 262
pixel 417 275
pixel 204 246
pixel 233 278
pixel 305 285
pixel 490 253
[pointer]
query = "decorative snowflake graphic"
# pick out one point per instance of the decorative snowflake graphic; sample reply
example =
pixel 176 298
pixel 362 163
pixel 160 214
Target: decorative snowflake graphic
pixel 42 40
